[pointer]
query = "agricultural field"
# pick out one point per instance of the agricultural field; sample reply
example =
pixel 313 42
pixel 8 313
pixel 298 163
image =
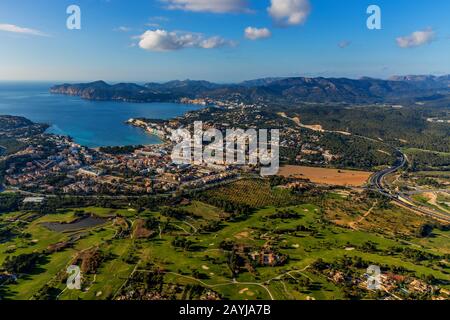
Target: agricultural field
pixel 327 176
pixel 254 193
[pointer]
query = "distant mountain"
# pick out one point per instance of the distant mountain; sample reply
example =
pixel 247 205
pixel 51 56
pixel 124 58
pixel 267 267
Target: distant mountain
pixel 321 90
pixel 260 82
pixel 187 87
pixel 292 90
pixel 425 81
pixel 100 90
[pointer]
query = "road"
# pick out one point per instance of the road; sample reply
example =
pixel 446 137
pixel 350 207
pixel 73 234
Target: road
pixel 419 191
pixel 403 200
pixel 376 181
pixel 125 197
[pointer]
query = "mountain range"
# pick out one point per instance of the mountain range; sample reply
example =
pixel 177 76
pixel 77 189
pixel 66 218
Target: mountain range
pixel 294 89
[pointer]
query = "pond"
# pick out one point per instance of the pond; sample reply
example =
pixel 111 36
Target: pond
pixel 84 223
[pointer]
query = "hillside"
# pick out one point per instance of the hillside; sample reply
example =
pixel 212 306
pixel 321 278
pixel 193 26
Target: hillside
pixel 299 89
pixel 100 90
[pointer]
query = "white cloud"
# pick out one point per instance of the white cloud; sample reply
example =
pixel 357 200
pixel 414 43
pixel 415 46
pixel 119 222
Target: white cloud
pixel 215 6
pixel 255 33
pixel 16 29
pixel 344 44
pixel 162 40
pixel 156 21
pixel 289 12
pixel 153 25
pixel 123 29
pixel 214 42
pixel 416 39
pixel 159 18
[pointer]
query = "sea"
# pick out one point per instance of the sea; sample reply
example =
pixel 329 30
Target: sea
pixel 90 123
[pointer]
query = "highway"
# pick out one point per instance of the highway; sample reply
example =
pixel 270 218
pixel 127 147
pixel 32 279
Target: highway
pixel 403 200
pixel 376 180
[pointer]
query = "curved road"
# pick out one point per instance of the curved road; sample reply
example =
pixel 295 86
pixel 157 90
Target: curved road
pixel 376 182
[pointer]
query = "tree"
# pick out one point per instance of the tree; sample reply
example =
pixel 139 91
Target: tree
pixel 425 230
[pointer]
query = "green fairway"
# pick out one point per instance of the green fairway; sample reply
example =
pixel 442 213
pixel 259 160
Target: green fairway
pixel 304 237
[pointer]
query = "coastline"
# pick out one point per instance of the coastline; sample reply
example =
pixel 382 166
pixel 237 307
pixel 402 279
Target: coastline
pixel 151 129
pixel 89 123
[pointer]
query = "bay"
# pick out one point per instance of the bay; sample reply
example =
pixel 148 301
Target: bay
pixel 90 123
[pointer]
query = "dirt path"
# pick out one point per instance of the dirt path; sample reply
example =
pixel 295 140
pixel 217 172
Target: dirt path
pixel 433 200
pixel 234 282
pixel 354 224
pixel 126 281
pixel 313 127
pixel 191 226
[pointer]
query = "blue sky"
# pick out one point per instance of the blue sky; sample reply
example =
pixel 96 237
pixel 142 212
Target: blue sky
pixel 200 39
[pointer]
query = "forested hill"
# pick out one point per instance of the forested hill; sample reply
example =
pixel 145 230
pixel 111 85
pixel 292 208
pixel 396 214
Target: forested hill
pixel 365 90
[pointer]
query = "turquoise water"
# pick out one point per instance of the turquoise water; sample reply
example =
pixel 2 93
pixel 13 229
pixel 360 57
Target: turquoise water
pixel 89 123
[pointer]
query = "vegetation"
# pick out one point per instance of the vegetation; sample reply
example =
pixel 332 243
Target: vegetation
pixel 197 246
pixel 423 160
pixel 406 126
pixel 249 193
pixel 9 202
pixel 119 150
pixel 24 263
pixel 254 238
